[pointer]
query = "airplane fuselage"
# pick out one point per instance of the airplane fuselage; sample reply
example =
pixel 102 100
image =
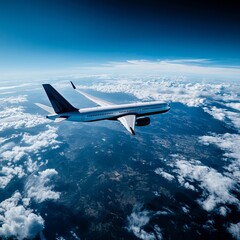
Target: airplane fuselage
pixel 114 111
pixel 129 115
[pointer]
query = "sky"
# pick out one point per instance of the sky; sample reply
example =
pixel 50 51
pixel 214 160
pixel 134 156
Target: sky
pixel 65 33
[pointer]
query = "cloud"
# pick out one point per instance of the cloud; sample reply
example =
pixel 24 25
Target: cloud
pixel 234 229
pixel 217 113
pixel 20 155
pixel 5 139
pixel 17 158
pixel 152 88
pixel 164 88
pixel 233 118
pixel 74 235
pixel 24 85
pixel 39 187
pixel 18 221
pixel 190 60
pixel 229 143
pixel 9 172
pixel 17 118
pixel 223 211
pixel 60 238
pixel 30 144
pixel 165 175
pixel 14 100
pixel 198 68
pixel 140 218
pixel 234 105
pixel 216 187
pixel 7 93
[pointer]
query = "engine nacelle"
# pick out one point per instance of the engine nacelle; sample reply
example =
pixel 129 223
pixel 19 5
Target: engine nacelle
pixel 142 121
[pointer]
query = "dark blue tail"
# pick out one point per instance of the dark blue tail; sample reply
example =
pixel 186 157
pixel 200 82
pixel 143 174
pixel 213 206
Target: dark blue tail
pixel 59 103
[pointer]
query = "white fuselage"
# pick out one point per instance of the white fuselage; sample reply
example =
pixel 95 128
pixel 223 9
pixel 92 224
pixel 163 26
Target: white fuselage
pixel 113 112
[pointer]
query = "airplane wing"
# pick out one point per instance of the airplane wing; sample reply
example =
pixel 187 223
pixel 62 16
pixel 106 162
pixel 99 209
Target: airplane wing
pixel 96 100
pixel 128 122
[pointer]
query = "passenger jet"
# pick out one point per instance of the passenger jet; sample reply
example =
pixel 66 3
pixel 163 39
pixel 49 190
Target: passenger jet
pixel 129 115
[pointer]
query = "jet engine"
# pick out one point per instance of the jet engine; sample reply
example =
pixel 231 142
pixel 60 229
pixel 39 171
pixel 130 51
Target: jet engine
pixel 142 121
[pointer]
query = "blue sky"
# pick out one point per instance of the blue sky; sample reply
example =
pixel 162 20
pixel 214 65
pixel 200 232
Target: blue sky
pixel 55 34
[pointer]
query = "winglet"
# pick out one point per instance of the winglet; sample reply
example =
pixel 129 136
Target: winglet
pixel 128 122
pixel 133 133
pixel 73 85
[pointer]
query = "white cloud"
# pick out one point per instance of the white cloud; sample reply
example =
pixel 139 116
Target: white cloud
pixel 185 209
pixel 224 115
pixel 201 68
pixel 14 99
pixel 234 229
pixel 234 105
pixel 39 187
pixel 23 153
pixel 215 186
pixel 18 221
pixel 230 144
pixel 138 219
pixel 33 165
pixel 24 85
pixel 190 60
pixel 7 93
pixel 17 118
pixel 60 238
pixel 17 151
pixel 5 139
pixel 165 88
pixel 9 172
pixel 165 175
pixel 30 144
pixel 217 113
pixel 223 211
pixel 75 236
pixel 169 67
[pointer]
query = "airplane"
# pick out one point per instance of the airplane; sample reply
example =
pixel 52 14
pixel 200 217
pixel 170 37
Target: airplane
pixel 129 115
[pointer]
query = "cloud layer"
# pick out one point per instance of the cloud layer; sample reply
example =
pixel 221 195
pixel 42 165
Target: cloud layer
pixel 24 139
pixel 39 186
pixel 17 220
pixel 229 143
pixel 140 218
pixel 215 186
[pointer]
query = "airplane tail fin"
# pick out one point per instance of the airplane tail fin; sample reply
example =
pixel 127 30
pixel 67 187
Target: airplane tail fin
pixel 59 103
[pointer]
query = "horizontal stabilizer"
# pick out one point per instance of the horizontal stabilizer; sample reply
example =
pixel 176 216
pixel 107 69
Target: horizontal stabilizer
pixel 60 119
pixel 46 108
